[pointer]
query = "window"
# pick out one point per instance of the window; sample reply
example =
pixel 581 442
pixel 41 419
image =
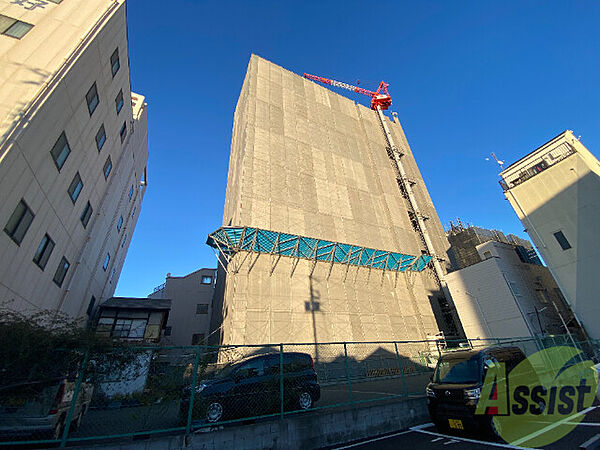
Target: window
pixel 133 211
pixel 487 254
pixel 124 240
pixel 13 27
pixel 106 261
pixel 168 331
pixel 90 308
pixel 61 272
pixel 202 308
pixel 119 224
pixel 92 98
pixel 253 368
pixel 562 240
pixel 43 252
pixel 130 328
pixel 207 279
pixel 119 101
pixel 107 168
pixel 123 132
pixel 130 192
pixel 75 188
pixel 114 62
pixel 86 214
pixel 60 151
pixel 112 275
pixel 100 137
pixel 19 222
pixel 197 338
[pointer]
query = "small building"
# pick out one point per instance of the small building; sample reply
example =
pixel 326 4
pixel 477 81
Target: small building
pixel 133 319
pixel 504 296
pixel 191 306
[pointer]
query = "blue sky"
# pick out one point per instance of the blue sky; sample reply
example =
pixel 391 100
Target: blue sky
pixel 466 78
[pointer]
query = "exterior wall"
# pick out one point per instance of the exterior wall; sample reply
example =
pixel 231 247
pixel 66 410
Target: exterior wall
pixel 46 75
pixel 185 294
pixel 563 196
pixel 311 162
pixel 498 297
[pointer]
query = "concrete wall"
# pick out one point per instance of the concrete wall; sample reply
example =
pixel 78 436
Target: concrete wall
pixel 302 431
pixel 564 197
pixel 185 294
pixel 43 84
pixel 308 161
pixel 498 297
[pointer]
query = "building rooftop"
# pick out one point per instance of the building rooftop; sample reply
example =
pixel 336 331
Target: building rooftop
pixel 137 303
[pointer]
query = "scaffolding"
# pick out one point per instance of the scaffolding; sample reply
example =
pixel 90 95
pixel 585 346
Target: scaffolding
pixel 231 240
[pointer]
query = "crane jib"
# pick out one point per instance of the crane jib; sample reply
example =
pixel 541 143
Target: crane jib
pixel 351 88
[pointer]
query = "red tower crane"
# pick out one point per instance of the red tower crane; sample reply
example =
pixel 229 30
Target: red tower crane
pixel 380 99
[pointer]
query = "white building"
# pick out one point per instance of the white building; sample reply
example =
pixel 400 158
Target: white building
pixel 73 152
pixel 502 297
pixel 555 191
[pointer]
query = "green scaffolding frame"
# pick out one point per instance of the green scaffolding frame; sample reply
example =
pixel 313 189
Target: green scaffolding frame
pixel 231 240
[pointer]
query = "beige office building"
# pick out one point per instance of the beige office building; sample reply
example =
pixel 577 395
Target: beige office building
pixel 555 191
pixel 73 152
pixel 314 165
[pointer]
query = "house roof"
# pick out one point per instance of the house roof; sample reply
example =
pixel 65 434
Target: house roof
pixel 137 303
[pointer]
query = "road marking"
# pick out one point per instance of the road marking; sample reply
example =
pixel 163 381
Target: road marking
pixel 551 426
pixel 437 439
pixel 374 440
pixel 451 441
pixel 419 429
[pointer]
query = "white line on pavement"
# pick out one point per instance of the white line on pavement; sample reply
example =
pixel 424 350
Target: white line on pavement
pixel 374 440
pixel 419 429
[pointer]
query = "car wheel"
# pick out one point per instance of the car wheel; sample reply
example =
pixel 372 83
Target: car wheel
pixel 214 412
pixel 305 400
pixel 440 426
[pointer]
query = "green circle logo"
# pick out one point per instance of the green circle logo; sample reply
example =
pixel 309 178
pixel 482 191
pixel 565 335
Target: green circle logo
pixel 540 400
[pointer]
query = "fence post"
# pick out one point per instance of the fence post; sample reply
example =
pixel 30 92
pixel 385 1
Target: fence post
pixel 188 426
pixel 281 379
pixel 348 372
pixel 63 441
pixel 401 370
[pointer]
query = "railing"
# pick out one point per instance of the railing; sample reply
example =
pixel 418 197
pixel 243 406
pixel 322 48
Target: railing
pixel 538 165
pixel 160 287
pixel 143 391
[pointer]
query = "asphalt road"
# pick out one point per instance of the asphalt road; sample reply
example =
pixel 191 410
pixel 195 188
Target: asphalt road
pixel 427 437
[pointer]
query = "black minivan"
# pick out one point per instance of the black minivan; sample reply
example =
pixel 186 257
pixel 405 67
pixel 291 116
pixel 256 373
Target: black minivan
pixel 456 383
pixel 252 388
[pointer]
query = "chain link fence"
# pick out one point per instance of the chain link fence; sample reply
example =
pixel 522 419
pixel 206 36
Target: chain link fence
pixel 140 391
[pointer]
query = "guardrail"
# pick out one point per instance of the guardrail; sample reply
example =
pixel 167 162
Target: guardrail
pixel 160 390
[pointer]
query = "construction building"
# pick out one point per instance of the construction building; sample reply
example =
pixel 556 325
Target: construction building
pixel 73 152
pixel 555 191
pixel 329 233
pixel 191 299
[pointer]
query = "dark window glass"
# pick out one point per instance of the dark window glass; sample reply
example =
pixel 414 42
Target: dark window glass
pixel 253 368
pixel 100 137
pixel 13 28
pixel 112 275
pixel 114 62
pixel 123 132
pixel 86 214
pixel 43 252
pixel 92 98
pixel 562 240
pixel 90 308
pixel 202 308
pixel 61 272
pixel 119 101
pixel 130 192
pixel 60 151
pixel 19 222
pixel 107 168
pixel 119 224
pixel 106 261
pixel 124 240
pixel 168 331
pixel 75 188
pixel 207 280
pixel 197 339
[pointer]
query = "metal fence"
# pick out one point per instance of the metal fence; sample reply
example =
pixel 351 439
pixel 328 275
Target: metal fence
pixel 157 390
